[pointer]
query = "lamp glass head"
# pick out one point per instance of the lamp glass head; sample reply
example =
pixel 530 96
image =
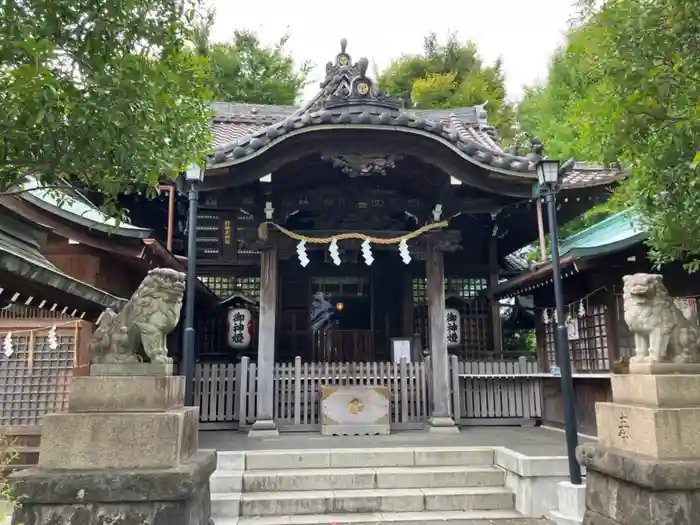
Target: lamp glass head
pixel 548 171
pixel 194 173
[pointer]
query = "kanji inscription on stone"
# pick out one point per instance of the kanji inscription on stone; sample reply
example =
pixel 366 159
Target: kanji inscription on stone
pixel 623 427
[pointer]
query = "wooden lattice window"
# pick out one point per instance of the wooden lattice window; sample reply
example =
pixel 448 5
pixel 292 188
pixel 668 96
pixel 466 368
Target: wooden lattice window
pixel 225 286
pixel 207 236
pixel 464 293
pixel 457 287
pixel 465 288
pixel 35 384
pixel 589 352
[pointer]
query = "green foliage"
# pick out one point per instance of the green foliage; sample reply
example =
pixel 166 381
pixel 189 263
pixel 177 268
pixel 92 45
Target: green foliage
pixel 7 455
pixel 450 75
pixel 519 341
pixel 245 70
pixel 106 94
pixel 627 88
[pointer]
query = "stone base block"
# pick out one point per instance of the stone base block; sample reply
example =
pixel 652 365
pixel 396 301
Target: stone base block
pixel 667 433
pixel 118 440
pixel 442 425
pixel 665 368
pixel 663 391
pixel 132 369
pixel 178 496
pixel 628 489
pixel 264 428
pixel 571 504
pixel 126 393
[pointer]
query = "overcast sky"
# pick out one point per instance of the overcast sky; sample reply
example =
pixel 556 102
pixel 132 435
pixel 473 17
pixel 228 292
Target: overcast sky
pixel 524 34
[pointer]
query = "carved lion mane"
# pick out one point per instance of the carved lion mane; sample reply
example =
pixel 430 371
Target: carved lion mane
pixel 661 331
pixel 140 329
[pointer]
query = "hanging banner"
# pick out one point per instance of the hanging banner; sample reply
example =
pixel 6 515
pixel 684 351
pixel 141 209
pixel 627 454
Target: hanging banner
pixel 572 328
pixel 453 327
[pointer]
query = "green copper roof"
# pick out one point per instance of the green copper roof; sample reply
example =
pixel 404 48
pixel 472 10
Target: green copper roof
pixel 614 233
pixel 71 207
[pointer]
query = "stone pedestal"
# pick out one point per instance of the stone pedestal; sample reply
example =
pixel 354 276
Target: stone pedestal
pixel 645 468
pixel 126 451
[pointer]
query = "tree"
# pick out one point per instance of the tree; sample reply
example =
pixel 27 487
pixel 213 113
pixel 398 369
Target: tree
pixel 245 70
pixel 639 66
pixel 450 75
pixel 107 95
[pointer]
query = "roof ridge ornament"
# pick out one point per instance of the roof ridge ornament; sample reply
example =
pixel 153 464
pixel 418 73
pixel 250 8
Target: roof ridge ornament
pixel 347 84
pixel 342 59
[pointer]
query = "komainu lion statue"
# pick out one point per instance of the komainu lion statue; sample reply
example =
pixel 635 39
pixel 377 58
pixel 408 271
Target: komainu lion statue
pixel 661 332
pixel 140 329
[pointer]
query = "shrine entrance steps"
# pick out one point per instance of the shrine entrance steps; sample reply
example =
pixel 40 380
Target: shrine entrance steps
pixel 422 485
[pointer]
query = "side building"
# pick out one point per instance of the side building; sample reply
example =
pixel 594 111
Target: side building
pixel 593 263
pixel 62 263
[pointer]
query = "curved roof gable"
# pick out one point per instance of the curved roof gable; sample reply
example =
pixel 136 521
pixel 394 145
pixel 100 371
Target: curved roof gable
pixel 349 99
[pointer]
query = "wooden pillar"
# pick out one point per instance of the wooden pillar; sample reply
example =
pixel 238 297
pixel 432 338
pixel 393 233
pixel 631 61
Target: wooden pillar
pixel 612 338
pixel 264 423
pixel 496 324
pixel 440 417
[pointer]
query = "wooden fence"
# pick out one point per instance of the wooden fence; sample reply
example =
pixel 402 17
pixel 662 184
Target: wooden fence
pixel 481 393
pixel 495 393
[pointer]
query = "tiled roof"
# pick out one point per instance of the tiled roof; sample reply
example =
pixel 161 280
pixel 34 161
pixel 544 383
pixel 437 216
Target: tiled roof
pixel 348 97
pixel 233 121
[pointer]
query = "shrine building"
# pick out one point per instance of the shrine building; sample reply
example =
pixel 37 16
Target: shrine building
pixel 355 231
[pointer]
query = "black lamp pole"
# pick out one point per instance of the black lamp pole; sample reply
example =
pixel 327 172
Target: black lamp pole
pixel 188 343
pixel 562 339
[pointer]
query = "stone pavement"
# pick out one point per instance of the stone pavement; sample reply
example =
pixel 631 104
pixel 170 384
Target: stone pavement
pixel 531 441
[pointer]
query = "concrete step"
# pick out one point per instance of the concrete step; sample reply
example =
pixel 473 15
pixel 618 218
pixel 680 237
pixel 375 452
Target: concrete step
pixel 478 517
pixel 230 460
pixel 225 481
pixel 226 506
pixel 364 478
pixel 355 458
pixel 372 501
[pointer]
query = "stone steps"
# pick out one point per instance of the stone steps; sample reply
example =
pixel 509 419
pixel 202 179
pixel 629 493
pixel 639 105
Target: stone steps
pixel 363 501
pixel 477 517
pixel 355 486
pixel 357 478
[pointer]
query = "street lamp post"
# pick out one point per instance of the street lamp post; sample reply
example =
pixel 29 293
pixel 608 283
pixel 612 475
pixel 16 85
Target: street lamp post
pixel 193 176
pixel 548 178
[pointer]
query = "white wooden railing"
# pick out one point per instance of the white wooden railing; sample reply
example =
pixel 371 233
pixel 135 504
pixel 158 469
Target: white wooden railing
pixel 481 393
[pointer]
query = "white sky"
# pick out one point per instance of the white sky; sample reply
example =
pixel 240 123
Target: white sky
pixel 524 34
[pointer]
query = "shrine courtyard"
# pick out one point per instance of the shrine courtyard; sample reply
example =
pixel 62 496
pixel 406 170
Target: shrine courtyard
pixel 530 441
